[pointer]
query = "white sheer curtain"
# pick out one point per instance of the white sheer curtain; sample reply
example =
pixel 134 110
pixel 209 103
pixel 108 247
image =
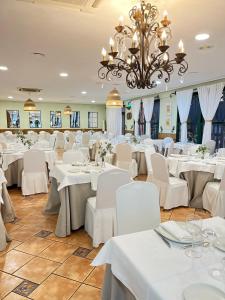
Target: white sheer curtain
pixel 184 103
pixel 114 121
pixel 148 105
pixel 209 98
pixel 135 107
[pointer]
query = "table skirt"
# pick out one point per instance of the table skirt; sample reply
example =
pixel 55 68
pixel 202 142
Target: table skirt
pixel 70 205
pixel 113 288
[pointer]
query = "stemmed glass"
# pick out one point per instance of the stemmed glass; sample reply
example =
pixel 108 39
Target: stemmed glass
pixel 194 227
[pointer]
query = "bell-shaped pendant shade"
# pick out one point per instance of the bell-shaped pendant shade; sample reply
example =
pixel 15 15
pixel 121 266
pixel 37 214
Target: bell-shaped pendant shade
pixel 29 105
pixel 67 110
pixel 114 100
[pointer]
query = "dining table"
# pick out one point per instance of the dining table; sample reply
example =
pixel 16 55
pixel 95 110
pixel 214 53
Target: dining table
pixel 71 186
pixel 141 266
pixel 197 172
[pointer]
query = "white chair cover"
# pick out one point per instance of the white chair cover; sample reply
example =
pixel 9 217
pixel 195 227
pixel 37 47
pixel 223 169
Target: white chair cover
pixel 85 139
pixel 135 213
pixel 148 154
pixel 124 159
pixel 211 145
pixel 72 156
pixel 221 152
pixel 34 177
pixel 100 210
pixel 69 145
pixel 213 198
pixel 60 142
pixel 173 191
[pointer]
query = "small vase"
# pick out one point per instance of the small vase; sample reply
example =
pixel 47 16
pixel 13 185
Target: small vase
pixel 103 162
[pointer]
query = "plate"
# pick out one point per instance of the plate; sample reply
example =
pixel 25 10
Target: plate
pixel 74 170
pixel 172 238
pixel 202 291
pixel 219 243
pixel 178 155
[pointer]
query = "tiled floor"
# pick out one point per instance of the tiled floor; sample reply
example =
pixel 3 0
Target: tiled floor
pixel 39 265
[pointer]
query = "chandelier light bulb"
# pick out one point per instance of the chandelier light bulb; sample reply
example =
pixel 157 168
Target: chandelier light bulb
pixel 165 14
pixel 111 42
pixel 165 57
pixel 181 46
pixel 135 39
pixel 104 53
pixel 121 20
pixel 128 61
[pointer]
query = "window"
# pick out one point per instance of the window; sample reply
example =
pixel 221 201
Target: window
pixel 218 124
pixel 92 120
pixel 55 119
pixel 155 119
pixel 75 119
pixel 13 119
pixel 35 119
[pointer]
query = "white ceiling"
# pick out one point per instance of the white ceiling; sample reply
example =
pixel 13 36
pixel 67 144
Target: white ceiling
pixel 72 42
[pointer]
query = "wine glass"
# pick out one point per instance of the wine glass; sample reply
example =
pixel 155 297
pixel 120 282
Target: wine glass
pixel 194 227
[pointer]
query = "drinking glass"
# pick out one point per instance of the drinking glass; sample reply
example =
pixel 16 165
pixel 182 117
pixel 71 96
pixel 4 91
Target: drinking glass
pixel 194 227
pixel 219 273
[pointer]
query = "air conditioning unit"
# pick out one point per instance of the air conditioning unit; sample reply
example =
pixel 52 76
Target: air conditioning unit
pixel 83 5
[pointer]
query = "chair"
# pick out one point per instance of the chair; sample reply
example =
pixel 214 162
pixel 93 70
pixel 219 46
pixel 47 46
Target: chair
pixel 60 142
pixel 221 152
pixel 85 139
pixel 213 197
pixel 34 177
pixel 148 141
pixel 211 145
pixel 135 213
pixel 124 159
pixel 72 156
pixel 148 154
pixel 69 145
pixel 173 191
pixel 100 210
pixel 3 146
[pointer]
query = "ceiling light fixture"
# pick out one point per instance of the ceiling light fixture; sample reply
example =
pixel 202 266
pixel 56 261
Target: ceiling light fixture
pixel 83 92
pixel 63 74
pixel 10 97
pixel 140 50
pixel 114 99
pixel 40 98
pixel 3 68
pixel 93 101
pixel 67 110
pixel 202 36
pixel 29 105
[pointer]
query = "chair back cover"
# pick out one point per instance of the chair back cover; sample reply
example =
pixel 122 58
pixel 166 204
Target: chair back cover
pixel 137 207
pixel 124 152
pixel 85 139
pixel 211 145
pixel 167 140
pixel 148 141
pixel 34 161
pixel 3 146
pixel 159 167
pixel 148 154
pixel 222 184
pixel 72 156
pixel 108 182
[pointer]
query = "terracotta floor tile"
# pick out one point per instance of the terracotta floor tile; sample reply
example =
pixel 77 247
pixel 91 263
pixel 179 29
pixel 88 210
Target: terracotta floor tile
pixel 75 268
pixel 11 245
pixel 11 227
pixel 37 270
pixel 76 238
pixel 58 252
pixel 86 292
pixel 24 233
pixel 13 260
pixel 96 277
pixel 8 283
pixel 34 246
pixel 13 296
pixel 94 252
pixel 55 288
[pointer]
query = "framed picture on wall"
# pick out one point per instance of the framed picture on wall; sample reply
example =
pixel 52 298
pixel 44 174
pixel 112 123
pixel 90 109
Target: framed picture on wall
pixel 75 119
pixel 13 118
pixel 92 120
pixel 35 119
pixel 168 123
pixel 55 119
pixel 168 109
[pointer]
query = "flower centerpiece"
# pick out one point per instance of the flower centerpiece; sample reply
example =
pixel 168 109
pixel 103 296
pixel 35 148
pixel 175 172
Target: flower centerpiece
pixel 202 150
pixel 22 138
pixel 135 140
pixel 104 148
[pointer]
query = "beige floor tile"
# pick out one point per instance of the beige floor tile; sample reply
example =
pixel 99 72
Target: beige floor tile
pixel 75 268
pixel 34 246
pixel 8 283
pixel 86 292
pixel 96 277
pixel 37 270
pixel 13 296
pixel 76 238
pixel 58 252
pixel 11 245
pixel 13 260
pixel 24 233
pixel 55 288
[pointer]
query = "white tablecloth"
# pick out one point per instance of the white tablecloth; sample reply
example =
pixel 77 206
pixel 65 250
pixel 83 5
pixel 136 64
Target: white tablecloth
pixel 151 270
pixel 180 165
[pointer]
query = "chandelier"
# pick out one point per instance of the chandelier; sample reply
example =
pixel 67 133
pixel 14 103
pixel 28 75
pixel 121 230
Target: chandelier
pixel 140 51
pixel 114 100
pixel 29 105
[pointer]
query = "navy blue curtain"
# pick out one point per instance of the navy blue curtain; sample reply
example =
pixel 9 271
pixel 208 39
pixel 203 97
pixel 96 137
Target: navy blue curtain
pixel 155 119
pixel 141 121
pixel 218 126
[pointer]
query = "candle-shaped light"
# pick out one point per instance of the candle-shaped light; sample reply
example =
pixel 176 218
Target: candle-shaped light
pixel 128 61
pixel 135 40
pixel 110 59
pixel 104 53
pixel 181 46
pixel 164 37
pixel 121 20
pixel 111 43
pixel 165 15
pixel 165 57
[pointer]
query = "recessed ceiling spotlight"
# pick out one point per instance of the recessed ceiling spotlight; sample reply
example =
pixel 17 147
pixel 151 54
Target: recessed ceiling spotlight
pixel 93 101
pixel 158 82
pixel 83 92
pixel 40 98
pixel 10 97
pixel 63 74
pixel 3 68
pixel 202 36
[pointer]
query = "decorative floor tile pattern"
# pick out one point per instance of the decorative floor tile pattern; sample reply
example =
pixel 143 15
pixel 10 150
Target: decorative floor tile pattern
pixel 56 268
pixel 25 288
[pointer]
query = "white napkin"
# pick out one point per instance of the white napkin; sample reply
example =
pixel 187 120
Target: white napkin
pixel 174 229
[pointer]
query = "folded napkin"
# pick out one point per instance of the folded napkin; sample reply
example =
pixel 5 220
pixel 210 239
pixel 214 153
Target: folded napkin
pixel 175 230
